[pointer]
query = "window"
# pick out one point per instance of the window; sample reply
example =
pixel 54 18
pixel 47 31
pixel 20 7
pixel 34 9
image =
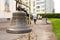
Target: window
pixel 43 6
pixel 7 5
pixel 27 9
pixel 33 3
pixel 43 10
pixel 37 0
pixel 40 2
pixel 38 10
pixel 38 7
pixel 33 10
pixel 26 2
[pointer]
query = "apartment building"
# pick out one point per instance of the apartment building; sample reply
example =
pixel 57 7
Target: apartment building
pixel 7 7
pixel 41 6
pixel 37 6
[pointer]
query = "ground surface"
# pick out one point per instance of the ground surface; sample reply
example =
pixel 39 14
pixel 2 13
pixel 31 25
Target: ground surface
pixel 39 32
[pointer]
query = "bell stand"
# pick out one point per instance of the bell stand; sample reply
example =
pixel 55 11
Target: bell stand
pixel 29 13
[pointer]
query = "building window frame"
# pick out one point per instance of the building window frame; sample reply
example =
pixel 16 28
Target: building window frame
pixel 7 6
pixel 38 10
pixel 37 7
pixel 33 3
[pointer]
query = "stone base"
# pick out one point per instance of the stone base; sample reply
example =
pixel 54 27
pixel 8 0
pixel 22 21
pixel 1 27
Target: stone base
pixel 44 20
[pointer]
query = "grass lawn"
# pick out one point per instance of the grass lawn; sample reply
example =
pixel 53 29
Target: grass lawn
pixel 56 26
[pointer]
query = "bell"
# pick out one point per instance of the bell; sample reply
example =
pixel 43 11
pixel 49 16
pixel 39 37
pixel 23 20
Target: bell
pixel 21 24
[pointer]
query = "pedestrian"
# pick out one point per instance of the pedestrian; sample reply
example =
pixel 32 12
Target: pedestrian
pixel 35 18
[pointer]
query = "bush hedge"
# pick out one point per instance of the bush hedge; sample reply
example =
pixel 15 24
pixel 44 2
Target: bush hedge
pixel 50 15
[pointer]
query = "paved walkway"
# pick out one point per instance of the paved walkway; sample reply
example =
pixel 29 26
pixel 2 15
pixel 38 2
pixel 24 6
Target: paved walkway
pixel 43 32
pixel 39 32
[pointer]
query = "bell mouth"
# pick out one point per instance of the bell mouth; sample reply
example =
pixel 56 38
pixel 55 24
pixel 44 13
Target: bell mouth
pixel 18 30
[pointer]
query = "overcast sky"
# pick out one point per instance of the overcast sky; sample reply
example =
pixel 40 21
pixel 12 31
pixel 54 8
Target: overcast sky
pixel 57 6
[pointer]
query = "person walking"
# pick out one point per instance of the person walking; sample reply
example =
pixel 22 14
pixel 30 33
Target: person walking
pixel 35 18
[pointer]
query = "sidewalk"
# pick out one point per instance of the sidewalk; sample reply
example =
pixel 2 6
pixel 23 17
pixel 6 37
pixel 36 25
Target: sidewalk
pixel 39 32
pixel 43 32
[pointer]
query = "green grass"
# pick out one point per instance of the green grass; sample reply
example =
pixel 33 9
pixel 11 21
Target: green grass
pixel 56 26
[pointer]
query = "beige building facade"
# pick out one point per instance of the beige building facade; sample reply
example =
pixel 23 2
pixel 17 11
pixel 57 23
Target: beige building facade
pixel 41 6
pixel 7 7
pixel 37 6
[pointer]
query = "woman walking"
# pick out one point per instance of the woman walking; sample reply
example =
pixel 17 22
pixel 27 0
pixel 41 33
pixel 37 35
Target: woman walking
pixel 35 18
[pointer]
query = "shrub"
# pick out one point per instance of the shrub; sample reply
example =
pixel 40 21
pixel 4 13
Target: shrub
pixel 50 15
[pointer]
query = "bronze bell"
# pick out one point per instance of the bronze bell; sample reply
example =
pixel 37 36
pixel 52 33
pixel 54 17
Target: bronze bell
pixel 21 24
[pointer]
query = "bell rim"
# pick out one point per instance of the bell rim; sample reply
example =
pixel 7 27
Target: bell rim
pixel 21 31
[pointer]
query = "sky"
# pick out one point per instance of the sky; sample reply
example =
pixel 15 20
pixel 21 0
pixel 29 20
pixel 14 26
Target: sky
pixel 57 6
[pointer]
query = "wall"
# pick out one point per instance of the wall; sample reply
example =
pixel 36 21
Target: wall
pixel 3 13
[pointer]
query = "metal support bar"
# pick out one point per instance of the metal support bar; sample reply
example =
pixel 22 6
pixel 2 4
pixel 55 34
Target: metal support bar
pixel 29 17
pixel 23 4
pixel 28 36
